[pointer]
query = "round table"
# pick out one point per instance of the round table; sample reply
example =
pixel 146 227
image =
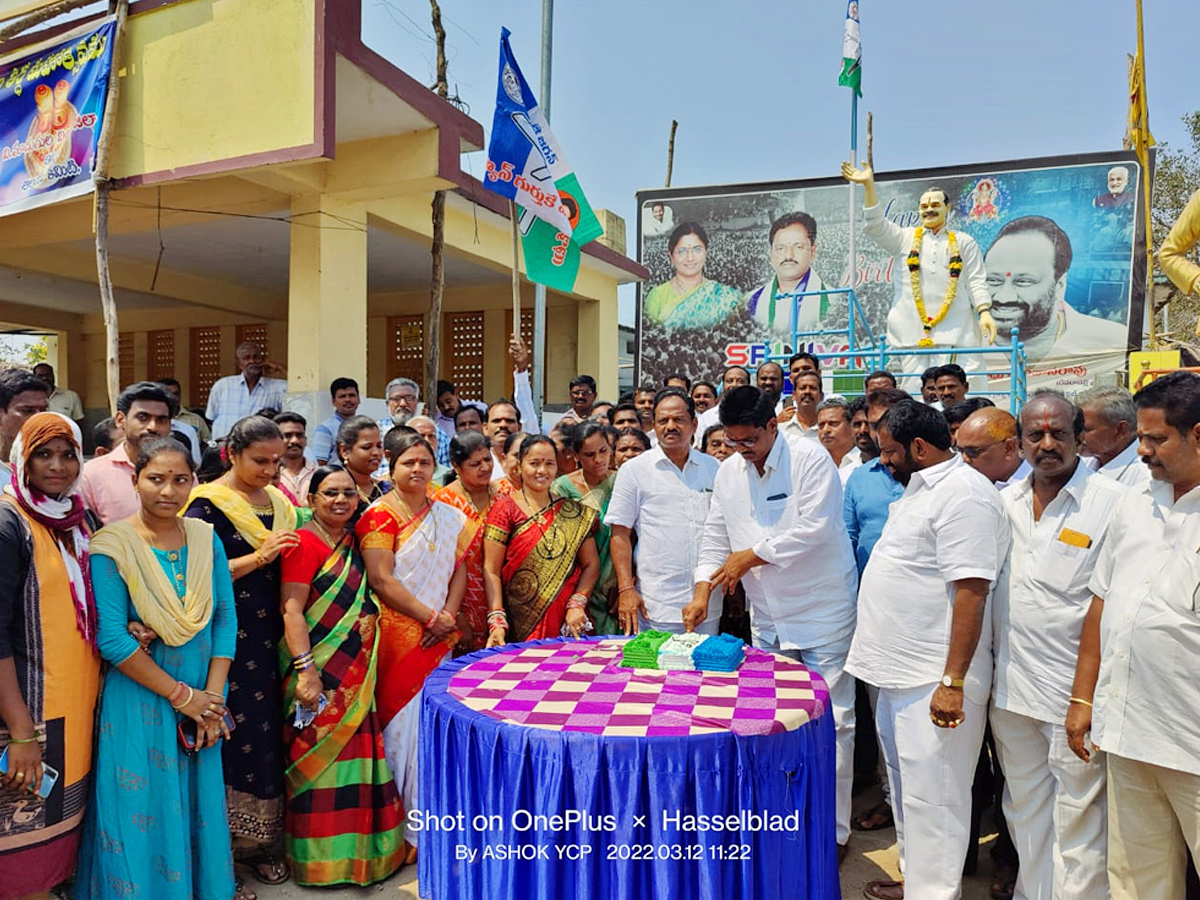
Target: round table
pixel 549 770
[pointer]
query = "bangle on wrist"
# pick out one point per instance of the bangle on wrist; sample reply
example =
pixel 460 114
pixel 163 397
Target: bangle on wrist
pixel 178 693
pixel 28 740
pixel 190 694
pixel 624 589
pixel 433 618
pixel 1080 701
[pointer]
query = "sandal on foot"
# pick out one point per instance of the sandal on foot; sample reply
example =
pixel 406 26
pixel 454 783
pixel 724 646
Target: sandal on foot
pixel 267 868
pixel 241 892
pixel 875 819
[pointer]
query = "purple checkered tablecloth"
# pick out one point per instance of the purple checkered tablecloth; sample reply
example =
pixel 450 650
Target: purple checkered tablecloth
pixel 580 686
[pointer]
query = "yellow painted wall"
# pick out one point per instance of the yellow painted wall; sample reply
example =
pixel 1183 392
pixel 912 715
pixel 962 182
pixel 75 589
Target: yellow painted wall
pixel 214 79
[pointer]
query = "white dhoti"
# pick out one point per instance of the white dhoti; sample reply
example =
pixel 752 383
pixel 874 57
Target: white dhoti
pixel 1055 804
pixel 930 770
pixel 829 661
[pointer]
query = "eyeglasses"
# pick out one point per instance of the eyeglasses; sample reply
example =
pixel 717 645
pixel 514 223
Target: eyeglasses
pixel 690 251
pixel 976 452
pixel 349 494
pixel 402 398
pixel 744 443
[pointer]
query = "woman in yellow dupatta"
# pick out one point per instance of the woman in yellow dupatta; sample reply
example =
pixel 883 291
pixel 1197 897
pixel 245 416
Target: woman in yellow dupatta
pixel 255 523
pixel 414 551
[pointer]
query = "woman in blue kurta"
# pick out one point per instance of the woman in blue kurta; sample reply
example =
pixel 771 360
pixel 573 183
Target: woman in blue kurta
pixel 158 827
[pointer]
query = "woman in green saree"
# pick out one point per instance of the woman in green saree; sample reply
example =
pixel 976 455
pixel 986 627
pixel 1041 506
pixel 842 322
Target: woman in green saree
pixel 591 485
pixel 689 300
pixel 330 650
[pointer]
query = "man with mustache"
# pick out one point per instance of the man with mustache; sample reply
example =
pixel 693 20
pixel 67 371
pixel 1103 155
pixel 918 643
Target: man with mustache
pixel 1138 652
pixel 1027 267
pixel 664 495
pixel 924 258
pixel 807 395
pixel 924 640
pixel 1060 515
pixel 775 524
pixel 792 243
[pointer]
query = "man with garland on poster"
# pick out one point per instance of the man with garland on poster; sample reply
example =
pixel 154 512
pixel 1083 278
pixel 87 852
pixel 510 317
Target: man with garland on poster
pixel 925 312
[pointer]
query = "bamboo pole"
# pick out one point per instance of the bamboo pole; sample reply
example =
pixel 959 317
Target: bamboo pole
pixel 671 151
pixel 108 302
pixel 870 143
pixel 438 288
pixel 516 266
pixel 40 16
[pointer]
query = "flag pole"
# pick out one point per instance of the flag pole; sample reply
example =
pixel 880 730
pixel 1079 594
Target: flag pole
pixel 516 266
pixel 1143 155
pixel 538 350
pixel 852 267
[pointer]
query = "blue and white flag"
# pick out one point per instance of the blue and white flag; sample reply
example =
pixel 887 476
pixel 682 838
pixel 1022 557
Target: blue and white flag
pixel 525 164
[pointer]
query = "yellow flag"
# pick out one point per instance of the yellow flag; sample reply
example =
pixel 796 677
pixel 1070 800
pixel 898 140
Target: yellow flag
pixel 1137 131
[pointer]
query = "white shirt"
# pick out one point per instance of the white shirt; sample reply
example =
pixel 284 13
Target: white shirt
pixel 1127 467
pixel 949 524
pixel 1148 575
pixel 1042 595
pixel 960 328
pixel 796 428
pixel 668 508
pixel 230 399
pixel 706 420
pixel 791 516
pixel 497 467
pixel 851 461
pixel 1023 471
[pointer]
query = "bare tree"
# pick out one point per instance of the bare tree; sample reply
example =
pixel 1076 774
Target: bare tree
pixel 438 288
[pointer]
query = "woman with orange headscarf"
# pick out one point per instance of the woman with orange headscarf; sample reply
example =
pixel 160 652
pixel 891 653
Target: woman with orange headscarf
pixel 49 667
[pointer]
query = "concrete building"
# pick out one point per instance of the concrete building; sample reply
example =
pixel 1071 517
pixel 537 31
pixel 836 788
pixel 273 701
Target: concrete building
pixel 275 178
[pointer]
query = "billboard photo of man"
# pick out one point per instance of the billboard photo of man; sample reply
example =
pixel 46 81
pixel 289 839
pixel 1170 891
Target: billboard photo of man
pixel 793 247
pixel 1027 267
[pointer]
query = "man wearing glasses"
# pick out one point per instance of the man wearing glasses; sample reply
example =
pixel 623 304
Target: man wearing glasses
pixel 988 442
pixel 583 398
pixel 775 524
pixel 792 244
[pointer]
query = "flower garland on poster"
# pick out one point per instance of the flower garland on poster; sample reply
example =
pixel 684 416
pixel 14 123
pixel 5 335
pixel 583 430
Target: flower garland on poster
pixel 914 273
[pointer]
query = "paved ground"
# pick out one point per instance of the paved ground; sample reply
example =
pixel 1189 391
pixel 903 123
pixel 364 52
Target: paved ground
pixel 872 856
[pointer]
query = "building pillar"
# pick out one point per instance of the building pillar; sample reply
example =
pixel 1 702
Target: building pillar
pixel 327 301
pixel 597 353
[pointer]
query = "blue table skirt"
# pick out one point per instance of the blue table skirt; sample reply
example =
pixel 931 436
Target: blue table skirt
pixel 485 780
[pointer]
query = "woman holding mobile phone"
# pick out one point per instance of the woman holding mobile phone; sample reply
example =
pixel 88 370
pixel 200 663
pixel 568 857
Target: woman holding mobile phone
pixel 157 826
pixel 49 668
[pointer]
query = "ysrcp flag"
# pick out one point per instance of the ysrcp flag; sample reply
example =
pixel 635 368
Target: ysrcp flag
pixel 526 164
pixel 851 76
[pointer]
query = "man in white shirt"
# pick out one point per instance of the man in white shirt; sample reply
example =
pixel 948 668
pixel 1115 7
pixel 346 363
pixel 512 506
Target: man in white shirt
pixel 988 443
pixel 733 376
pixel 769 378
pixel 503 419
pixel 61 399
pixel 448 405
pixel 958 324
pixel 807 395
pixel 245 394
pixel 792 240
pixel 836 435
pixel 1110 434
pixel 924 639
pixel 1138 652
pixel 1060 515
pixel 664 495
pixel 775 525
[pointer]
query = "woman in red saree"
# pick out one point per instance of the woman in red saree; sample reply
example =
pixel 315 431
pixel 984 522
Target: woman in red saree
pixel 539 555
pixel 413 549
pixel 344 822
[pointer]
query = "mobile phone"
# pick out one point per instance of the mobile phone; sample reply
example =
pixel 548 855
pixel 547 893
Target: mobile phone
pixel 187 732
pixel 49 775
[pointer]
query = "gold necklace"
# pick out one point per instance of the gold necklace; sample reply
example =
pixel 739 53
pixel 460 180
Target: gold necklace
pixel 328 538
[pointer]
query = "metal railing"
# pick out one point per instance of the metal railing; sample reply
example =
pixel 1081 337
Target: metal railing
pixel 875 354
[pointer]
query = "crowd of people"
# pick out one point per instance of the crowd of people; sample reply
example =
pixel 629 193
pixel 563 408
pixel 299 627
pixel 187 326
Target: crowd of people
pixel 212 650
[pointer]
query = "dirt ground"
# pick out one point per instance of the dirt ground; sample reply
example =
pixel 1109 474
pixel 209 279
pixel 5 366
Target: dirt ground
pixel 872 856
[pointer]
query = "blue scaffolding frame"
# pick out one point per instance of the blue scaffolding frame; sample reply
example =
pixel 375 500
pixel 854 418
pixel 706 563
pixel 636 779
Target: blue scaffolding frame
pixel 875 354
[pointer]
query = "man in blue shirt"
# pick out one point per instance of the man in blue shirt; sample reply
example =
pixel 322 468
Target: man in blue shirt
pixel 344 393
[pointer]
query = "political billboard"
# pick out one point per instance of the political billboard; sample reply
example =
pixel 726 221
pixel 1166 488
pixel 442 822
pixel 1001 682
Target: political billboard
pixel 1060 240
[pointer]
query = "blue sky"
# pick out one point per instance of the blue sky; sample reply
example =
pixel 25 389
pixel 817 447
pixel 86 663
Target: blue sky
pixel 753 83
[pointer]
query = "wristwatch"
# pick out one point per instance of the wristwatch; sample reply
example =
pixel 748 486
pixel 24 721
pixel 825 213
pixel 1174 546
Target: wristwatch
pixel 949 682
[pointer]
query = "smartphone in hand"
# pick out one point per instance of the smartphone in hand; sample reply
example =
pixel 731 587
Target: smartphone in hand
pixel 49 775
